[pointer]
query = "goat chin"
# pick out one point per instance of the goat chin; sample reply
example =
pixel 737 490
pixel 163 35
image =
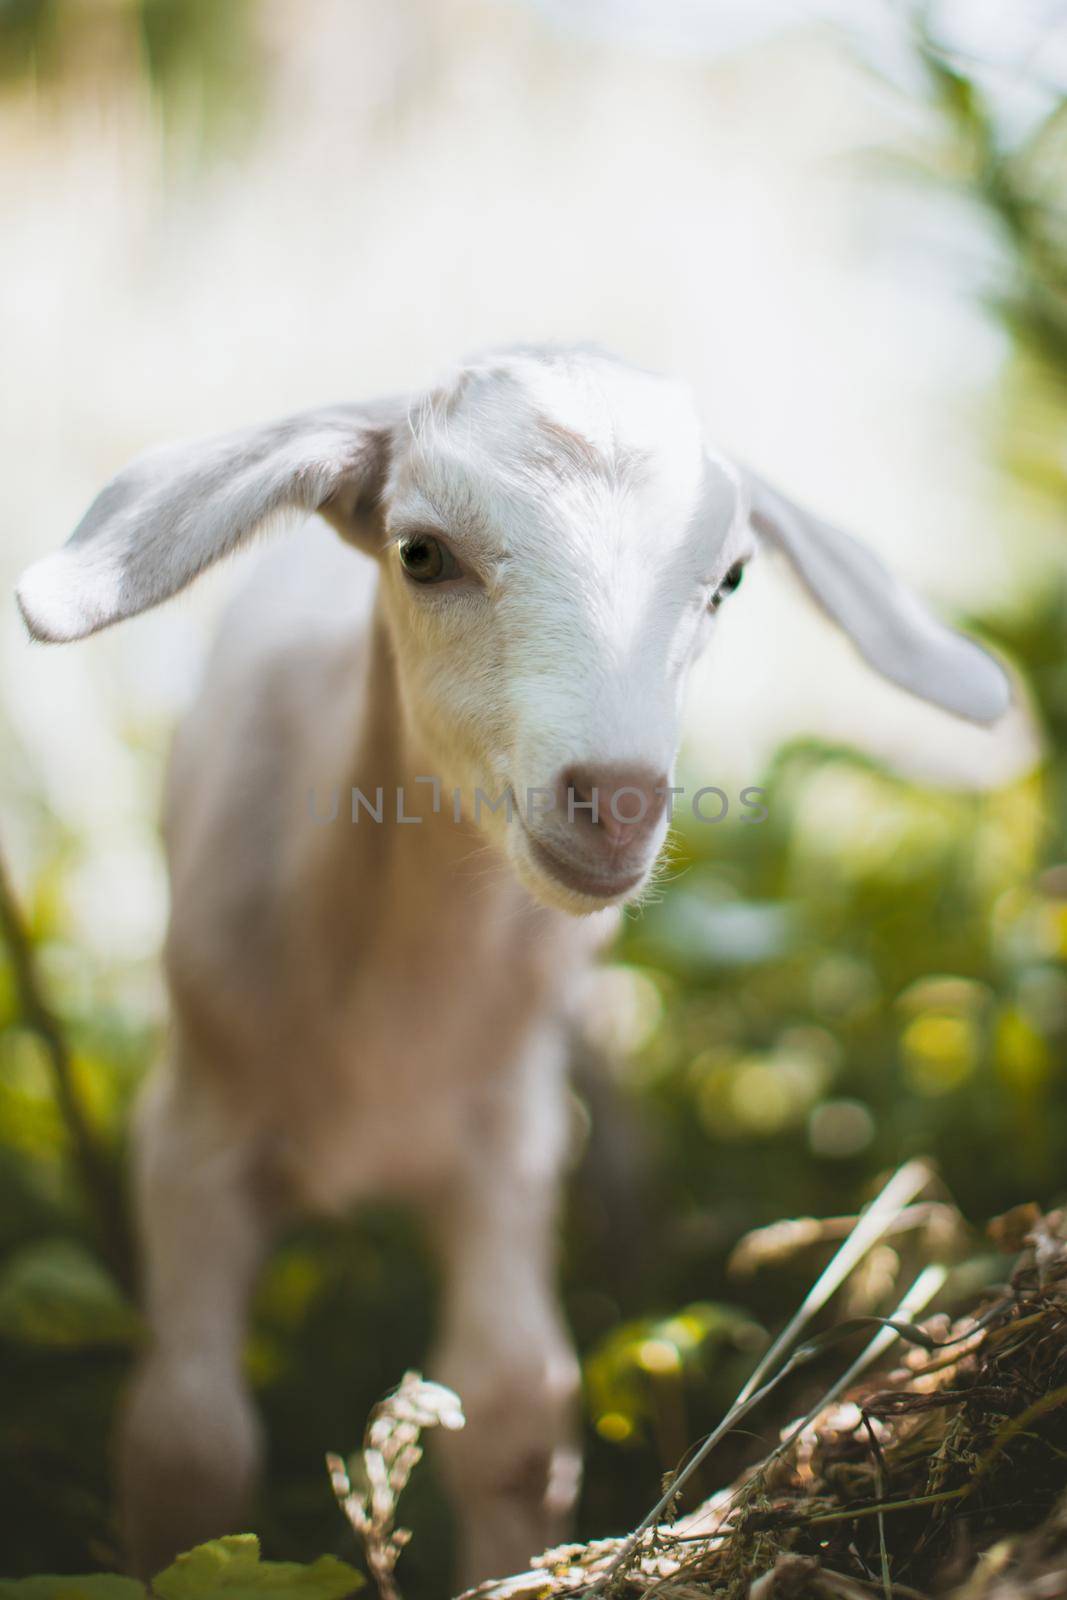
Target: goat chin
pixel 573 897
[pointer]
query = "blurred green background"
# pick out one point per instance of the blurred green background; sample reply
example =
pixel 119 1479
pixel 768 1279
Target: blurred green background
pixel 877 971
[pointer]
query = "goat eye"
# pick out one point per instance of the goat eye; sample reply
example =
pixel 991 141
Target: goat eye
pixel 426 560
pixel 731 581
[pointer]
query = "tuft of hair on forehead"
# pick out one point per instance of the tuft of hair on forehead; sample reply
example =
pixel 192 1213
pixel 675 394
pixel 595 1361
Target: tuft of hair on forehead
pixel 571 414
pixel 565 453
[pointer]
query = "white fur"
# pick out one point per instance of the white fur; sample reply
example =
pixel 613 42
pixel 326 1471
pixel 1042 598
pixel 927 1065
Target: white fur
pixel 364 1010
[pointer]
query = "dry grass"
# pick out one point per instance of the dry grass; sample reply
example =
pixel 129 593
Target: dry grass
pixel 943 1474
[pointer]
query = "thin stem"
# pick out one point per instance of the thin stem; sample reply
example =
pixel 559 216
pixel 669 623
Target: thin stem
pixel 881 1507
pixel 879 1489
pixel 98 1175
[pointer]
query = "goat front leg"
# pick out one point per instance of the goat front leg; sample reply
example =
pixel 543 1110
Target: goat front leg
pixel 513 1471
pixel 189 1440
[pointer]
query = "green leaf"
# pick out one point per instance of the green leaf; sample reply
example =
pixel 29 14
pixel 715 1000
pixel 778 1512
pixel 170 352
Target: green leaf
pixel 55 1293
pixel 104 1586
pixel 228 1568
pixel 231 1567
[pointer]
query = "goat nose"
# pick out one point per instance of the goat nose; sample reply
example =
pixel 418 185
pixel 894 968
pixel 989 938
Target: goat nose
pixel 623 802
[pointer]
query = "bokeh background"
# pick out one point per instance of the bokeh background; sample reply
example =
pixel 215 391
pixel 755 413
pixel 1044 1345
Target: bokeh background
pixel 846 225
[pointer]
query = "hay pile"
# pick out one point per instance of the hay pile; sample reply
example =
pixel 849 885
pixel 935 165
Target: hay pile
pixel 945 1473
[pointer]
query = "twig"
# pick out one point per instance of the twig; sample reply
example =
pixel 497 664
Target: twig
pixel 778 1241
pixel 98 1175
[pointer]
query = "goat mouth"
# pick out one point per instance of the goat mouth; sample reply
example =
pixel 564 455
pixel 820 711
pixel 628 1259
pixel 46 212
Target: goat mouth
pixel 576 879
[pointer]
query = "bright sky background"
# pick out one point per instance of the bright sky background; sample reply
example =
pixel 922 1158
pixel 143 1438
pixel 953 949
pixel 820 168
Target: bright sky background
pixel 693 185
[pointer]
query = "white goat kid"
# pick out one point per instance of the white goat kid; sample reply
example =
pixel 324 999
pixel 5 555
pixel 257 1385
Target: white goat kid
pixel 362 1010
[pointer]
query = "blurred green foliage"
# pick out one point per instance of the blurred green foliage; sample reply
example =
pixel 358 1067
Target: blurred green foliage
pixel 229 1566
pixel 998 144
pixel 879 970
pixel 199 58
pixel 1017 180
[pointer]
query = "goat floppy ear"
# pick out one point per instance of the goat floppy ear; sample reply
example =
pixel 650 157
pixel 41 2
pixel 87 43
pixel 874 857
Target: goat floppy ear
pixel 173 511
pixel 890 626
